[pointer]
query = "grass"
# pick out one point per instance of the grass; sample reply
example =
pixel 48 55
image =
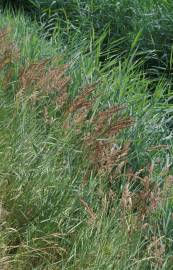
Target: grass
pixel 149 23
pixel 86 155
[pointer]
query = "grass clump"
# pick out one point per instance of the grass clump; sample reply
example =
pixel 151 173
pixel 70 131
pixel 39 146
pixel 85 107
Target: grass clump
pixel 85 158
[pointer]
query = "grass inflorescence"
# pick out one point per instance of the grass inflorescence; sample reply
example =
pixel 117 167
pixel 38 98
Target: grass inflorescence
pixel 86 177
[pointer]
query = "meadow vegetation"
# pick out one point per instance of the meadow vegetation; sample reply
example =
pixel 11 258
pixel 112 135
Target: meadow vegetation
pixel 147 22
pixel 85 147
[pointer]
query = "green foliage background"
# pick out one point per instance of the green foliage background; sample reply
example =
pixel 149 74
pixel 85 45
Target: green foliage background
pixel 151 20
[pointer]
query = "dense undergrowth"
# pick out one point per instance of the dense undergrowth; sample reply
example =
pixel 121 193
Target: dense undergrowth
pixel 147 22
pixel 86 155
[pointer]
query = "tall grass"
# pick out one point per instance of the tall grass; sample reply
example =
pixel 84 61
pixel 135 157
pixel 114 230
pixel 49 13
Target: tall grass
pixel 148 21
pixel 86 177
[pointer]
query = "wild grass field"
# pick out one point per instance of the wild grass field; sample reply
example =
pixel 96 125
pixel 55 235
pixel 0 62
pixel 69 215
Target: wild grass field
pixel 85 151
pixel 149 22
